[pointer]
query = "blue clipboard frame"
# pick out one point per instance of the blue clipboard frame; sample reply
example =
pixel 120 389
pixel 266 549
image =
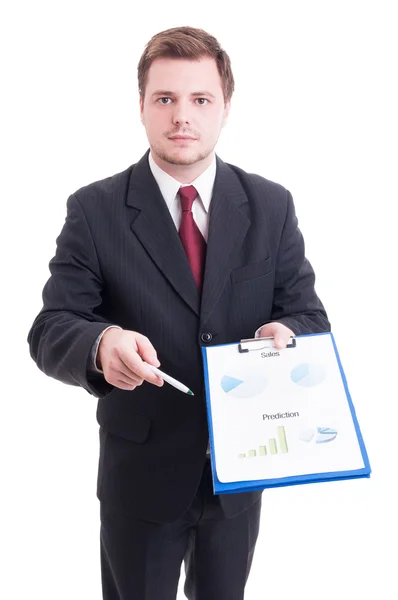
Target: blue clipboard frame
pixel 248 486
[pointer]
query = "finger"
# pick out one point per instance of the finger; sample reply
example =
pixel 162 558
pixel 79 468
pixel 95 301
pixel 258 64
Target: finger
pixel 116 378
pixel 130 380
pixel 129 383
pixel 116 369
pixel 124 372
pixel 266 331
pixel 282 338
pixel 280 342
pixel 146 350
pixel 137 368
pixel 123 385
pixel 147 354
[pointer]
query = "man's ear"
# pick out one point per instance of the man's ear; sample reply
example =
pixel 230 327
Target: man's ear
pixel 142 110
pixel 227 108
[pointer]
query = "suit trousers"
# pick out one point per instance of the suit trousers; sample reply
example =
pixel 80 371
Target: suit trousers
pixel 141 560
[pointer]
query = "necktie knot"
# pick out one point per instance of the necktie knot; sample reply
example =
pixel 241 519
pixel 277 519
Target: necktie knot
pixel 188 194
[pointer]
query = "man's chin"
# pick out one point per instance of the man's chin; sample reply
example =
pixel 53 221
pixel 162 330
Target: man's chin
pixel 182 158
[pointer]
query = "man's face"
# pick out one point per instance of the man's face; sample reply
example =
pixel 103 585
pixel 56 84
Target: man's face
pixel 183 98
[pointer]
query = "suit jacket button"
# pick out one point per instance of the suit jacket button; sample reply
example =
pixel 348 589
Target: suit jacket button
pixel 206 337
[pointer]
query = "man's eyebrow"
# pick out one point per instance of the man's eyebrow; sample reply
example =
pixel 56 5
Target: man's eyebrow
pixel 203 94
pixel 170 93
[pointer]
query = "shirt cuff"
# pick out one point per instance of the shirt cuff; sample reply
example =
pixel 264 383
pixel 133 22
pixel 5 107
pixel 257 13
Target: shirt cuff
pixel 257 334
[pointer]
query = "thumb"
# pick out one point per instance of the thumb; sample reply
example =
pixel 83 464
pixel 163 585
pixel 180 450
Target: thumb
pixel 279 342
pixel 146 350
pixel 272 330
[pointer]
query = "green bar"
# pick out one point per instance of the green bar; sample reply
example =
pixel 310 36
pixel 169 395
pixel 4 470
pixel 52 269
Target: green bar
pixel 282 439
pixel 262 451
pixel 272 446
pixel 242 456
pixel 252 453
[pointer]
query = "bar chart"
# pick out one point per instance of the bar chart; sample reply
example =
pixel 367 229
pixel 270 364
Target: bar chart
pixel 277 445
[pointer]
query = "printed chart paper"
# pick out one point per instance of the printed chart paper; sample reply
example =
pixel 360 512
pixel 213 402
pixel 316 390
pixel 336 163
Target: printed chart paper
pixel 278 417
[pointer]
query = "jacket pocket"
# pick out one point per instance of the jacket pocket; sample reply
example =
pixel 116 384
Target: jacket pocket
pixel 252 271
pixel 115 415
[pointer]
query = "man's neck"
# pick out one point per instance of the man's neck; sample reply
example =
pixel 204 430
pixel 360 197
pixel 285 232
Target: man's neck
pixel 184 173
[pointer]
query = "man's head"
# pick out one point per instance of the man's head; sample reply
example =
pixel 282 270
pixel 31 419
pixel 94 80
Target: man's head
pixel 185 83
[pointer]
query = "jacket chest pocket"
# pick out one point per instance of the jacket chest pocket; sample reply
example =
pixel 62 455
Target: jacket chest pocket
pixel 252 271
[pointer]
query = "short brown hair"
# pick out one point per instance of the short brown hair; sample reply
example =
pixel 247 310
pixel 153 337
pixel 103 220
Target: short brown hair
pixel 190 43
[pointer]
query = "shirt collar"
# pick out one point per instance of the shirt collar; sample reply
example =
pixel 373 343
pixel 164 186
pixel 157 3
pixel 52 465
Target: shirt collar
pixel 169 186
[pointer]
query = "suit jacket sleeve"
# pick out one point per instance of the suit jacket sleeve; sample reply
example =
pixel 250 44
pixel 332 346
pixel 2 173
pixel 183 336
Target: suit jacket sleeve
pixel 63 333
pixel 296 304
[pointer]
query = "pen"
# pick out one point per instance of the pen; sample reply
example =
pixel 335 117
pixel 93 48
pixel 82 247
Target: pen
pixel 171 380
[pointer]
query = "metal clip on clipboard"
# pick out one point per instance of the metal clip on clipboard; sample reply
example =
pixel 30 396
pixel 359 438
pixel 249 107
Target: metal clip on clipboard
pixel 253 344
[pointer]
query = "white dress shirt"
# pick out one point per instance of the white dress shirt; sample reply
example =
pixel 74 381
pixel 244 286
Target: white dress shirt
pixel 169 188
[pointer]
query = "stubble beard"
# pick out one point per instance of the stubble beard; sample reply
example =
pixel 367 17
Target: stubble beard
pixel 175 158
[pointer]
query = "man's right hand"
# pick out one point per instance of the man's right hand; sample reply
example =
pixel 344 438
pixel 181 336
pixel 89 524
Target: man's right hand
pixel 120 356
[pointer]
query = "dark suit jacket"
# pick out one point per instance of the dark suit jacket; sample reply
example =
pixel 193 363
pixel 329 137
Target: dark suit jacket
pixel 119 260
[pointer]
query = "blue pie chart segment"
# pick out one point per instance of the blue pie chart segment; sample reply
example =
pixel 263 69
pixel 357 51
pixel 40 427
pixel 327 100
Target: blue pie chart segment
pixel 247 388
pixel 230 383
pixel 308 375
pixel 318 435
pixel 325 434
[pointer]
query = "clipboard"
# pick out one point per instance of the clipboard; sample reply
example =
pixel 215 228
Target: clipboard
pixel 260 343
pixel 314 435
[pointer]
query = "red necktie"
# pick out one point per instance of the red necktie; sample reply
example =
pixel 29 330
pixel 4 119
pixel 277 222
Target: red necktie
pixel 192 240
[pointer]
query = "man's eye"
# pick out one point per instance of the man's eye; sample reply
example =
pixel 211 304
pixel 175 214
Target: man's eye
pixel 161 100
pixel 202 101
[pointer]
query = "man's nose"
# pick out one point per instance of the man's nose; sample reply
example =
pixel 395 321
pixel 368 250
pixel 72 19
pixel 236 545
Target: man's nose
pixel 181 114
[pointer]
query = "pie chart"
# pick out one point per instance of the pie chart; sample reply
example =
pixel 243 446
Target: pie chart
pixel 318 435
pixel 308 375
pixel 246 388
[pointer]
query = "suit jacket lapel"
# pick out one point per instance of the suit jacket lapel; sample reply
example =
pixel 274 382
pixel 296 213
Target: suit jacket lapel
pixel 228 225
pixel 154 227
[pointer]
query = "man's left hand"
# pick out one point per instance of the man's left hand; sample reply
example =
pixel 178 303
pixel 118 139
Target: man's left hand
pixel 279 332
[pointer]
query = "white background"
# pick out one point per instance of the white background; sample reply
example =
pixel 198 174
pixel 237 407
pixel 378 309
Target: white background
pixel 315 109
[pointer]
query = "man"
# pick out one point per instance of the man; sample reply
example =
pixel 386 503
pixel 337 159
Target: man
pixel 178 251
